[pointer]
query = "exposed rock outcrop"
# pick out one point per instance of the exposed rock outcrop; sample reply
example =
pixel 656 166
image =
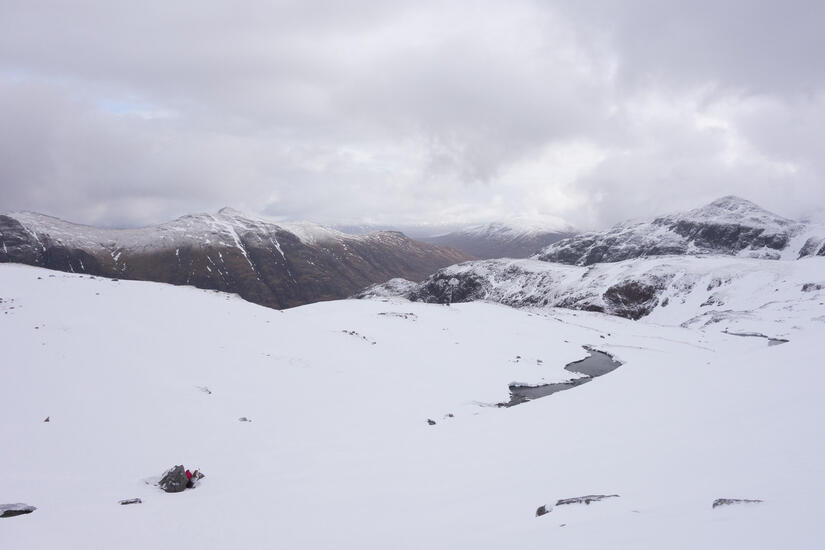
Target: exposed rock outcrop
pixel 521 283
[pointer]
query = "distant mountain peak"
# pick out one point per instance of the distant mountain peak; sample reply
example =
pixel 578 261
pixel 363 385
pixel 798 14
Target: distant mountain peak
pixel 731 202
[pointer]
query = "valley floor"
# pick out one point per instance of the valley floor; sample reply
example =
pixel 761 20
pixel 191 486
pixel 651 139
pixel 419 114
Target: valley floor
pixel 339 453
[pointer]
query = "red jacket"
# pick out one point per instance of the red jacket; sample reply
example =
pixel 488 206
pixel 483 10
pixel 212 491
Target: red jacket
pixel 188 475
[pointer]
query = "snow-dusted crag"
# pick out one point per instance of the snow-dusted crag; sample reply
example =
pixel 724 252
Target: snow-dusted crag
pixel 278 265
pixel 515 239
pixel 680 289
pixel 729 226
pixel 705 260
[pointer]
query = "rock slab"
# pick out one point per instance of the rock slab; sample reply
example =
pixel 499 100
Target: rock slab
pixel 587 499
pixel 18 509
pixel 729 501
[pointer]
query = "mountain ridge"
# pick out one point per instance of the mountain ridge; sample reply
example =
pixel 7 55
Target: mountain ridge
pixel 273 264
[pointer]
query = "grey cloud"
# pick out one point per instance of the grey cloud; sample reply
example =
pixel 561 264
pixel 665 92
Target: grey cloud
pixel 757 46
pixel 397 112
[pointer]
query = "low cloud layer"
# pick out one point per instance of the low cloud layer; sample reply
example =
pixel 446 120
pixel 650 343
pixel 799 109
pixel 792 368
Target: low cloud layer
pixel 409 112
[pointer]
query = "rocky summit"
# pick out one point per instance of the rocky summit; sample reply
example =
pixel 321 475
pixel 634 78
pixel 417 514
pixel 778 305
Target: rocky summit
pixel 273 264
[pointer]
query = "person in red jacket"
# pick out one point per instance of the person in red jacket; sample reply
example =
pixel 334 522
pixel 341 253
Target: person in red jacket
pixel 189 482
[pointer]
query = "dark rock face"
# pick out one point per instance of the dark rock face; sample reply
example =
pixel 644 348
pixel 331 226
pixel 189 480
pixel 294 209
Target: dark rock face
pixel 130 501
pixel 634 299
pixel 542 510
pixel 810 248
pixel 12 510
pixel 731 236
pixel 264 263
pixel 729 501
pixel 18 243
pixel 727 226
pixel 174 480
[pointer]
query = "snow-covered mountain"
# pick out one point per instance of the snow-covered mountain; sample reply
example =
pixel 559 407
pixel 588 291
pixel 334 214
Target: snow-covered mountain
pixel 730 226
pixel 278 265
pixel 513 239
pixel 372 423
pixel 640 268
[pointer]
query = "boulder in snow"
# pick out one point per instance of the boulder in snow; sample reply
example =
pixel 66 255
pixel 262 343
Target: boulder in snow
pixel 174 480
pixel 11 510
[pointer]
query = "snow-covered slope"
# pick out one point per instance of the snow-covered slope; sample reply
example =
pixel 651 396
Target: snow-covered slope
pixel 730 226
pixel 339 452
pixel 676 288
pixel 518 238
pixel 279 265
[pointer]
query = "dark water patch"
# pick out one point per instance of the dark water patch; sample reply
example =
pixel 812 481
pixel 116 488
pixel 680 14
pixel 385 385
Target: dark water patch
pixel 594 365
pixel 522 393
pixel 771 341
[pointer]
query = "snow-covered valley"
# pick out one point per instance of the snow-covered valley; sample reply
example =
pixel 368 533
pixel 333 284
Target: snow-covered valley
pixel 339 452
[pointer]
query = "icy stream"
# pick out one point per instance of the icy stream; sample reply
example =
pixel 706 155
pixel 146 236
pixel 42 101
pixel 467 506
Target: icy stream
pixel 596 364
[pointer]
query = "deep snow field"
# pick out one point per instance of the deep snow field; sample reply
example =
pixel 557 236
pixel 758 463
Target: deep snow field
pixel 339 453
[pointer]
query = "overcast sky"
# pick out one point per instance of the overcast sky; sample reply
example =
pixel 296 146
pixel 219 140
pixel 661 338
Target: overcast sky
pixel 391 112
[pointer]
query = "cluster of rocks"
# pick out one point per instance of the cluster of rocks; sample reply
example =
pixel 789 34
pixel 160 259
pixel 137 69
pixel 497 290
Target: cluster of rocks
pixel 587 499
